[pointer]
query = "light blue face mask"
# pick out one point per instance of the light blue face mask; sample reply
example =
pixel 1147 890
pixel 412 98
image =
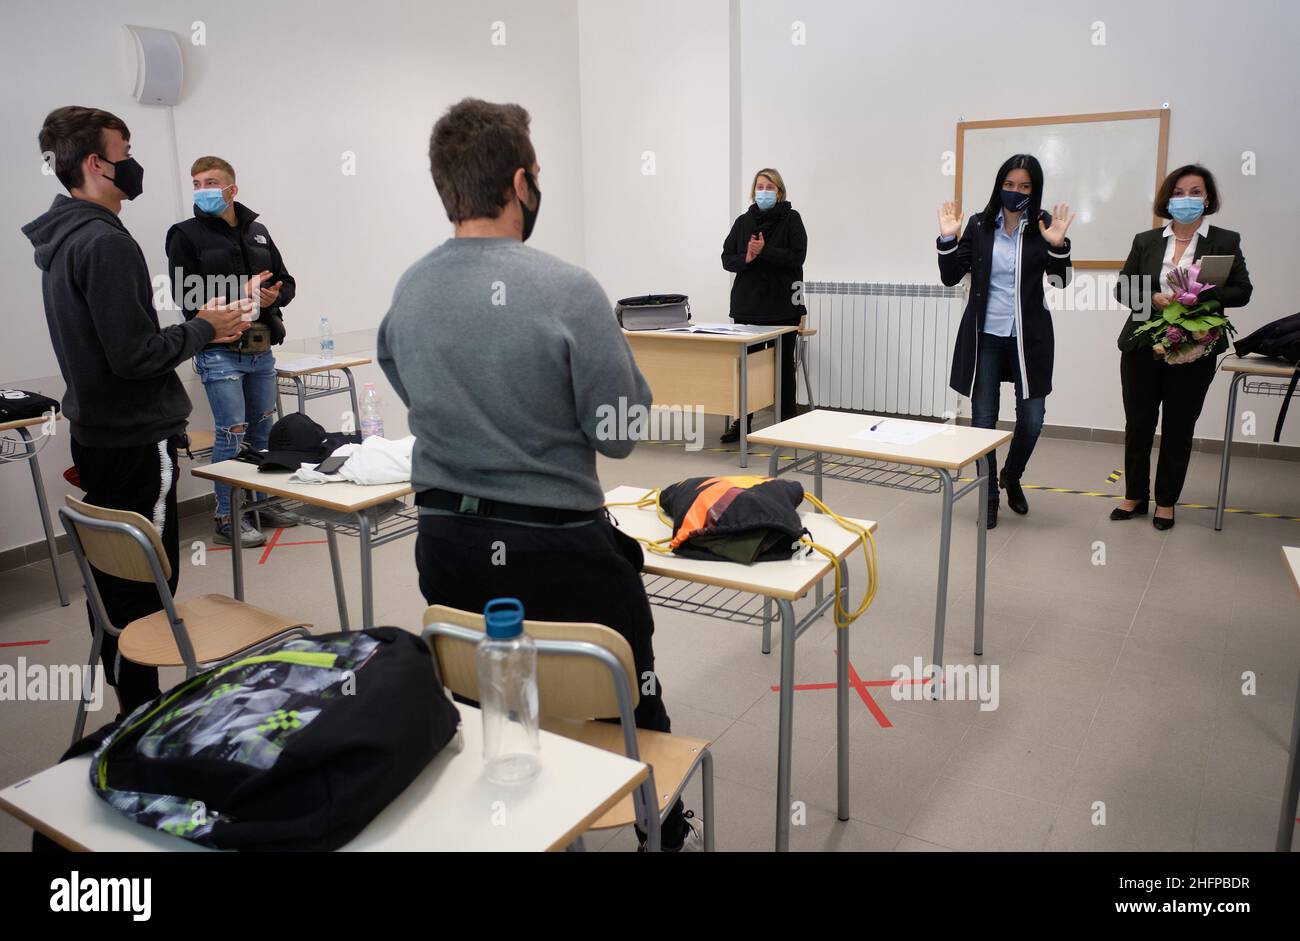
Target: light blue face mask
pixel 210 201
pixel 765 199
pixel 1186 208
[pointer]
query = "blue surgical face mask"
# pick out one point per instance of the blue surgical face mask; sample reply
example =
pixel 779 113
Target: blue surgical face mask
pixel 765 199
pixel 1186 208
pixel 1013 201
pixel 211 201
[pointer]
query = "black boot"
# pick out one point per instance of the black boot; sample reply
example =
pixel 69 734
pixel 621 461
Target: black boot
pixel 1015 495
pixel 993 516
pixel 732 434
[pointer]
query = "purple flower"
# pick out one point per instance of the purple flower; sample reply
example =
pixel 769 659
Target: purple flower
pixel 1174 336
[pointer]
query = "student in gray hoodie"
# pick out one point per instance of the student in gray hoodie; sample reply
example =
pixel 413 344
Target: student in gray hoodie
pixel 509 360
pixel 125 406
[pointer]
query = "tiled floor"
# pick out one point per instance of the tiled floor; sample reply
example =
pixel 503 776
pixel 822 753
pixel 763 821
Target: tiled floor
pixel 1120 684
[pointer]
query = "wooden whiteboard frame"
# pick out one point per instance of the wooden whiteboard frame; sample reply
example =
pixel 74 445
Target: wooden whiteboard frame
pixel 1162 154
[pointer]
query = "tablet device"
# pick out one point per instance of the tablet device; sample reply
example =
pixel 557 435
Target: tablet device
pixel 1215 268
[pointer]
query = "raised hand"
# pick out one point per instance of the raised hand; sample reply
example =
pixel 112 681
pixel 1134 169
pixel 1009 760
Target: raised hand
pixel 949 220
pixel 1061 219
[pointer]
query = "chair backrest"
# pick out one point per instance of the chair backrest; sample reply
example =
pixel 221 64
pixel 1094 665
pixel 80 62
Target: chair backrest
pixel 568 686
pixel 110 547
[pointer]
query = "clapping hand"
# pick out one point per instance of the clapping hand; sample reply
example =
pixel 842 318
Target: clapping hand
pixel 265 296
pixel 756 243
pixel 1061 219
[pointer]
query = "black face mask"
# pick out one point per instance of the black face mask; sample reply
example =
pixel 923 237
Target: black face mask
pixel 128 176
pixel 530 215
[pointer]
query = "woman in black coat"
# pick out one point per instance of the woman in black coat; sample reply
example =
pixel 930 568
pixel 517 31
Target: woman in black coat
pixel 1006 329
pixel 1151 385
pixel 766 249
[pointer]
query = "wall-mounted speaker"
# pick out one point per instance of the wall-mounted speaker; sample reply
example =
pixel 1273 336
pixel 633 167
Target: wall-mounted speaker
pixel 158 74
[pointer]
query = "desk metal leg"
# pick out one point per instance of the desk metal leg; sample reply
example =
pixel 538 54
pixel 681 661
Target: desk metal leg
pixel 767 626
pixel 236 545
pixel 743 415
pixel 336 568
pixel 774 461
pixel 842 701
pixel 777 351
pixel 1286 825
pixel 352 393
pixel 785 733
pixel 945 545
pixel 302 393
pixel 817 492
pixel 367 580
pixel 807 380
pixel 1228 428
pixel 44 507
pixel 981 550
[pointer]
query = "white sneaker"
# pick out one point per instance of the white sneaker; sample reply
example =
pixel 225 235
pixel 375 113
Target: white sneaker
pixel 249 535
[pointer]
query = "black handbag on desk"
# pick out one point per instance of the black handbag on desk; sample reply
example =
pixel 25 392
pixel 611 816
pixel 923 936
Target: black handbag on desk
pixel 17 405
pixel 1280 340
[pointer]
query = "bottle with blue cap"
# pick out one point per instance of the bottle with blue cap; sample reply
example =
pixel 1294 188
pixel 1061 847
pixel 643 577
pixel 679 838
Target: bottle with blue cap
pixel 507 681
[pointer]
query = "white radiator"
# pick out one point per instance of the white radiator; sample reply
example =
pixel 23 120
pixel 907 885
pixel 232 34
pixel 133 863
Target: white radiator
pixel 883 348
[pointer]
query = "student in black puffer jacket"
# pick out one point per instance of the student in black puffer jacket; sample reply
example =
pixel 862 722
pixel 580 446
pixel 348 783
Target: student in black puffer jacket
pixel 766 249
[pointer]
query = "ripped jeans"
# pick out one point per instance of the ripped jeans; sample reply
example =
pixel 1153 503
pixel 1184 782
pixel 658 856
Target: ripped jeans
pixel 241 391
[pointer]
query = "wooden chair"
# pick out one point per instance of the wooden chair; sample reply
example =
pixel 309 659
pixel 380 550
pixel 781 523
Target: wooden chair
pixel 207 630
pixel 201 444
pixel 584 674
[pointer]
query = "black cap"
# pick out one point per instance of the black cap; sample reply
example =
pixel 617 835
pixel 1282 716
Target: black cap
pixel 295 440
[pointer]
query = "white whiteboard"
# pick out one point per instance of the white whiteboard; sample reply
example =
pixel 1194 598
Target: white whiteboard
pixel 1106 170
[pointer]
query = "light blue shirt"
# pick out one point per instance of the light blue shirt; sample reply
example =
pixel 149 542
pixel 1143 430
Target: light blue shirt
pixel 1000 313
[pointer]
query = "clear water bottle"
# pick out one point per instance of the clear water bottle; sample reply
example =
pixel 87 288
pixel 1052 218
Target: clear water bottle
pixel 372 417
pixel 326 339
pixel 507 683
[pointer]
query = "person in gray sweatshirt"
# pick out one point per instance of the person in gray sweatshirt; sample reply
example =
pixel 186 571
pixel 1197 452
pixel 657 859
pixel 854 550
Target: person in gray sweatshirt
pixel 510 362
pixel 125 406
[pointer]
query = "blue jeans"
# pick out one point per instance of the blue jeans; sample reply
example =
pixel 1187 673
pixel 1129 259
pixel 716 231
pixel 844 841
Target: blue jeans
pixel 997 357
pixel 241 391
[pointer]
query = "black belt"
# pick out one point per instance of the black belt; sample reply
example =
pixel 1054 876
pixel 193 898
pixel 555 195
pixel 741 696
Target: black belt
pixel 498 509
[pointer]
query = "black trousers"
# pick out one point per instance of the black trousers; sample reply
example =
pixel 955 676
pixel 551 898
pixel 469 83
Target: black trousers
pixel 1174 394
pixel 786 356
pixel 140 478
pixel 590 572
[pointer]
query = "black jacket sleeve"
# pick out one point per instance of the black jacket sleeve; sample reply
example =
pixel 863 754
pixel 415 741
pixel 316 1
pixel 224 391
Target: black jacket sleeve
pixel 1059 268
pixel 182 260
pixel 954 255
pixel 288 287
pixel 1131 288
pixel 116 284
pixel 733 253
pixel 791 257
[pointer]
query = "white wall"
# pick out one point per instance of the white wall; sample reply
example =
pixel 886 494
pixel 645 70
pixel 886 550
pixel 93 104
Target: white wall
pixel 858 119
pixel 654 77
pixel 281 90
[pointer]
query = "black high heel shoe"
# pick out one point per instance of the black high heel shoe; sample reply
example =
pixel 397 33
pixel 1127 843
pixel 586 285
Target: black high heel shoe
pixel 1119 513
pixel 1162 524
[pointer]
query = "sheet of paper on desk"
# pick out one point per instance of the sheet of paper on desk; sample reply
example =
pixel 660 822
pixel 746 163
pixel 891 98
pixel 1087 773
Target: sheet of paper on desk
pixel 728 329
pixel 891 431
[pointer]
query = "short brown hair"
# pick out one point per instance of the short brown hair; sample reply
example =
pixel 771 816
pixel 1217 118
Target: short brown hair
pixel 72 134
pixel 474 151
pixel 772 176
pixel 1161 207
pixel 212 163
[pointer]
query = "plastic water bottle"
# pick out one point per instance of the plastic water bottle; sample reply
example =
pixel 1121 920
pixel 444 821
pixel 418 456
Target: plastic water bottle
pixel 326 339
pixel 372 418
pixel 507 683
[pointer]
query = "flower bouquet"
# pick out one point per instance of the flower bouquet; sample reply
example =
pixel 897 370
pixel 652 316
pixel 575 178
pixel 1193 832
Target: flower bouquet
pixel 1188 328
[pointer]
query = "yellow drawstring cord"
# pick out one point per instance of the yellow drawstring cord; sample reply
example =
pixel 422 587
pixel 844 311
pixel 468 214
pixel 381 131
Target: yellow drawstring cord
pixel 843 617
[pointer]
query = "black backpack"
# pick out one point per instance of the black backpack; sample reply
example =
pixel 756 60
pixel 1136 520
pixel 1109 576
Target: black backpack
pixel 1280 340
pixel 16 405
pixel 297 747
